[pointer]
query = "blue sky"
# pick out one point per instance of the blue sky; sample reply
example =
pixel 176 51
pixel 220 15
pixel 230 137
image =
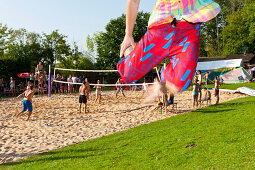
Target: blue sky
pixel 74 18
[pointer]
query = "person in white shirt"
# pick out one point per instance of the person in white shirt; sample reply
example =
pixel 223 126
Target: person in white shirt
pixel 70 84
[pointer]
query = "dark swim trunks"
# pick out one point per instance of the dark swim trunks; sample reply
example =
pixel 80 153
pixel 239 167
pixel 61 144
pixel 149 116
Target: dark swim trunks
pixel 27 105
pixel 82 99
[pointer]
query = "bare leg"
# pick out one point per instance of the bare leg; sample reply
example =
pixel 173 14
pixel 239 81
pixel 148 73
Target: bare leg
pixel 85 107
pixel 16 117
pixel 217 100
pixel 99 98
pixel 123 93
pixel 29 114
pixel 117 93
pixel 193 101
pixel 80 107
pixel 96 98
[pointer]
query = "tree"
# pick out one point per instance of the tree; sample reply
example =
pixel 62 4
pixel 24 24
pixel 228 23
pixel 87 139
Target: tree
pixel 108 43
pixel 55 47
pixel 239 34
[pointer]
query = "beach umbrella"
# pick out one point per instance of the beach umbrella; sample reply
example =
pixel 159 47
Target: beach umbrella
pixel 24 75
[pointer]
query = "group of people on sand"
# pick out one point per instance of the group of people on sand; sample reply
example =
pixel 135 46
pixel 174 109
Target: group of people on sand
pixel 199 91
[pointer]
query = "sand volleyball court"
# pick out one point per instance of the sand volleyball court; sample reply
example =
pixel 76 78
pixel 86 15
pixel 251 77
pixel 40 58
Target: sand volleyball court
pixel 56 122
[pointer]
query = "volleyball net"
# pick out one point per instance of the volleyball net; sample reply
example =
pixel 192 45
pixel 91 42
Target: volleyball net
pixel 93 84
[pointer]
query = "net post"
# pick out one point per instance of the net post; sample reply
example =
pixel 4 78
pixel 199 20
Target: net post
pixel 54 73
pixel 49 83
pixel 158 74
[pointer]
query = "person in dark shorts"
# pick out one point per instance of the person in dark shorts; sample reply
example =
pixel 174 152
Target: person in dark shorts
pixel 82 96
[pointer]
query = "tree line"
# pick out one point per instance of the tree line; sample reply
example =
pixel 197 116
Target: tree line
pixel 232 31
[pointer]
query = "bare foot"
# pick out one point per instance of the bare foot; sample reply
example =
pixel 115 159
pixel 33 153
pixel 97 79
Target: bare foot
pixel 158 89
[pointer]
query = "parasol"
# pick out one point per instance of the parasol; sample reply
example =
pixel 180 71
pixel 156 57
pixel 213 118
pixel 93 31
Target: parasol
pixel 24 75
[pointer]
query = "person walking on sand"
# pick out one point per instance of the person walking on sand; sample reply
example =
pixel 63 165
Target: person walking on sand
pixel 98 92
pixel 82 96
pixel 27 101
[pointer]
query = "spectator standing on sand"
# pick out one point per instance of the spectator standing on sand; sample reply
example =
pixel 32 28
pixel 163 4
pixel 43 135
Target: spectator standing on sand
pixel 12 86
pixel 199 78
pixel 74 79
pixel 206 79
pixel 70 84
pixel 216 89
pixel 63 86
pixel 195 92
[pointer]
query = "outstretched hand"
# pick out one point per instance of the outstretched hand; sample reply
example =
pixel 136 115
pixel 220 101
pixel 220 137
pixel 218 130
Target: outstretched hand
pixel 127 42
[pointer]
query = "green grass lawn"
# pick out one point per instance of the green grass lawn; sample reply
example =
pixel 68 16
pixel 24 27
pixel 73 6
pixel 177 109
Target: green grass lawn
pixel 223 137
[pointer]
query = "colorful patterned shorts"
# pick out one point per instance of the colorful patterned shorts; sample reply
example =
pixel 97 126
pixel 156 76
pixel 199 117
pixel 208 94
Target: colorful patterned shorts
pixel 179 43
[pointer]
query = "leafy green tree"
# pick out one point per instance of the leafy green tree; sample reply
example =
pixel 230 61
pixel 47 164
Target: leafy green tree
pixel 239 34
pixel 108 43
pixel 55 47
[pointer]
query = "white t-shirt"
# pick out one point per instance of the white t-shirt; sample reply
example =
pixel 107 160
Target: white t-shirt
pixel 74 79
pixel 69 80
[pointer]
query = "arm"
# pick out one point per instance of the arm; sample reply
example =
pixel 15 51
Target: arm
pixel 22 94
pixel 131 14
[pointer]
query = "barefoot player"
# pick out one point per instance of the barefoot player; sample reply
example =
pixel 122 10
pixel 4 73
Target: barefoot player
pixel 82 97
pixel 27 101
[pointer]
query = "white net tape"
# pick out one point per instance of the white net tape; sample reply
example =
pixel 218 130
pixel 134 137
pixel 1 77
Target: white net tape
pixel 97 71
pixel 104 85
pixel 92 71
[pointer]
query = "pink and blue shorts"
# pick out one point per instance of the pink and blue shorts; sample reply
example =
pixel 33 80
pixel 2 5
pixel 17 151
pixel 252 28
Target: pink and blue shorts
pixel 179 43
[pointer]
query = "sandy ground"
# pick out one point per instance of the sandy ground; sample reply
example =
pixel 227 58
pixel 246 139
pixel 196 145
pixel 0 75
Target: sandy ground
pixel 56 122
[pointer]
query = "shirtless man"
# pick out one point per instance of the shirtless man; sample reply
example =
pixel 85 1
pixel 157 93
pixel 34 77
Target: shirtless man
pixel 39 67
pixel 82 96
pixel 88 88
pixel 40 82
pixel 98 92
pixel 27 101
pixel 207 95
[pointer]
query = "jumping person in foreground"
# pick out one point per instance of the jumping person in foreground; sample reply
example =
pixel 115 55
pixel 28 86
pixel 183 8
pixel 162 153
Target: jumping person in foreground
pixel 174 33
pixel 82 96
pixel 27 101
